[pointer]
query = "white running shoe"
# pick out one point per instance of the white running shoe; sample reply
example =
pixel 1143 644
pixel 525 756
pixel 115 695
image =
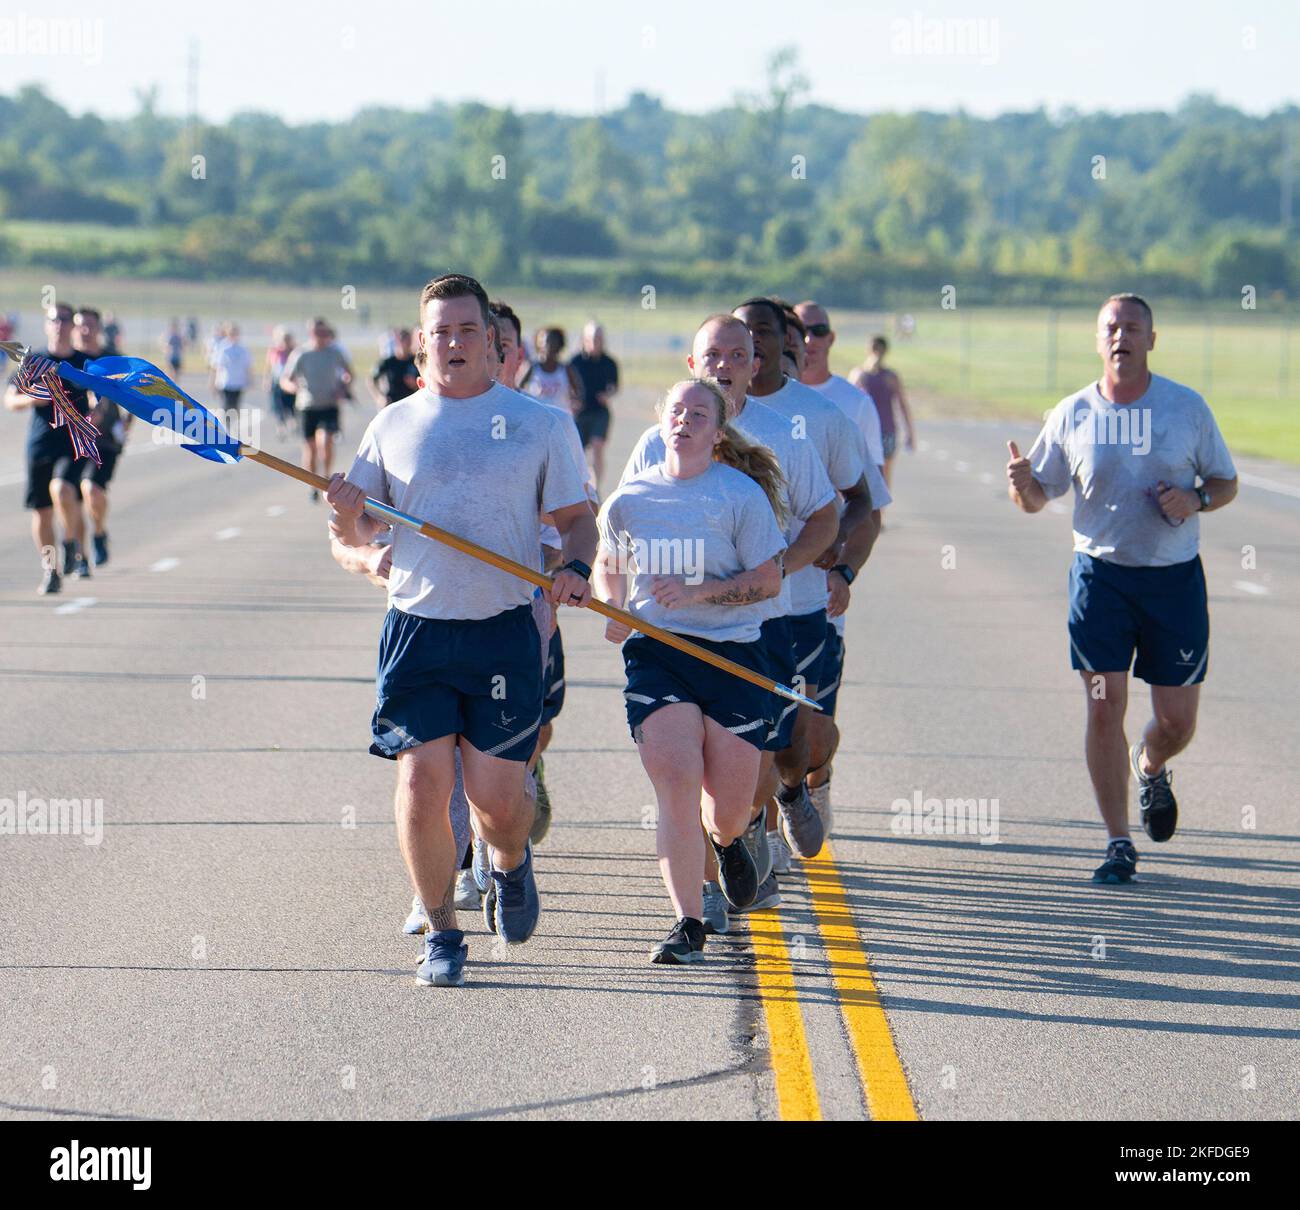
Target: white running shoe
pixel 467 897
pixel 418 921
pixel 780 852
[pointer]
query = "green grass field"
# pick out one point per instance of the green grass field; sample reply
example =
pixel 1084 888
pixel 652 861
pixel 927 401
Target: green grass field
pixel 984 362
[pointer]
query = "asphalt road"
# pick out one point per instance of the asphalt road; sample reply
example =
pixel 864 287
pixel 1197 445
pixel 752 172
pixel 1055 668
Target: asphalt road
pixel 231 947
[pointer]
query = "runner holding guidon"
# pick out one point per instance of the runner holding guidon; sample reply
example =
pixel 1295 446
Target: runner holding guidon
pixel 459 656
pixel 699 731
pixel 1133 446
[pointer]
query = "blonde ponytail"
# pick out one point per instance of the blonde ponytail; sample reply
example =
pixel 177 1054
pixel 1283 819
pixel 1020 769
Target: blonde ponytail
pixel 759 463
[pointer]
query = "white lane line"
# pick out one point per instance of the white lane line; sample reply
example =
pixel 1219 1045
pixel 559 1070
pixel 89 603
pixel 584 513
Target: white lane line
pixel 165 565
pixel 961 466
pixel 1250 586
pixel 224 535
pixel 78 605
pixel 276 510
pixel 1270 485
pixel 941 455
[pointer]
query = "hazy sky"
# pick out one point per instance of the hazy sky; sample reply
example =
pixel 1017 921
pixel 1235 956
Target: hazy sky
pixel 326 59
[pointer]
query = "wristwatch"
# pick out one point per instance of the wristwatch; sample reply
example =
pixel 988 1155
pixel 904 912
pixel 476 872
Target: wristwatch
pixel 1204 498
pixel 846 571
pixel 579 567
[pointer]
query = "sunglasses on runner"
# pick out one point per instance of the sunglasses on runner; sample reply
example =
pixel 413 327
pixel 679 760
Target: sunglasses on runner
pixel 818 330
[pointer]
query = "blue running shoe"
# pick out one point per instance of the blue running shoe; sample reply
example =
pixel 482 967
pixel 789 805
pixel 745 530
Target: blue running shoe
pixel 516 902
pixel 1120 864
pixel 444 959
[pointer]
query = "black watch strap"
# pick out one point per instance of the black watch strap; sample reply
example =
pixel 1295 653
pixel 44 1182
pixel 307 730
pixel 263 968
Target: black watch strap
pixel 577 565
pixel 1204 496
pixel 846 571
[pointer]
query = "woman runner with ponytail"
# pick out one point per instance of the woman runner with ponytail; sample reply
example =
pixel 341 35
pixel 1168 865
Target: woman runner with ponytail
pixel 694 544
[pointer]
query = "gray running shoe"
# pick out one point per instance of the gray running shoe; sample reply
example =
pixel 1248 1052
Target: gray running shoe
pixel 755 838
pixel 542 817
pixel 418 921
pixel 780 852
pixel 803 826
pixel 715 909
pixel 821 799
pixel 468 897
pixel 769 895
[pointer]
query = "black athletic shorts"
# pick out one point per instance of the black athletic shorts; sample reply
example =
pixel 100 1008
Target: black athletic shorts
pixel 101 475
pixel 592 423
pixel 67 467
pixel 319 418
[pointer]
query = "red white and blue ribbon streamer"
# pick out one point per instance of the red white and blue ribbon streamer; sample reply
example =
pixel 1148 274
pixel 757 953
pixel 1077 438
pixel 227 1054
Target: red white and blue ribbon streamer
pixel 39 377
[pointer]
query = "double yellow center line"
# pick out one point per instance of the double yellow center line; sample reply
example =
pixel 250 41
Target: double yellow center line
pixel 884 1085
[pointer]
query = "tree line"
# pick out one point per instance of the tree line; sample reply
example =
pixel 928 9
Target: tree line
pixel 770 191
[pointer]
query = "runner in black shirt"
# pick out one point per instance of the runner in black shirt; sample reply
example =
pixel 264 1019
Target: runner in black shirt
pixel 112 422
pixel 52 466
pixel 598 374
pixel 397 376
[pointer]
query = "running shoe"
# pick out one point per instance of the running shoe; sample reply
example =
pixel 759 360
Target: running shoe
pixel 1120 864
pixel 83 566
pixel 780 852
pixel 482 865
pixel 101 549
pixel 468 898
pixel 736 873
pixel 821 799
pixel 418 921
pixel 769 895
pixel 542 819
pixel 69 558
pixel 715 909
pixel 755 837
pixel 803 826
pixel 444 959
pixel 515 901
pixel 1156 797
pixel 51 583
pixel 684 944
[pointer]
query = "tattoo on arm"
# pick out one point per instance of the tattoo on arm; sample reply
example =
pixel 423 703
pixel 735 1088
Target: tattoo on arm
pixel 726 594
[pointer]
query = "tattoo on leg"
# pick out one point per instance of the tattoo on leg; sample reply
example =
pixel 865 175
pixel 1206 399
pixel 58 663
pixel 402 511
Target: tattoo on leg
pixel 444 915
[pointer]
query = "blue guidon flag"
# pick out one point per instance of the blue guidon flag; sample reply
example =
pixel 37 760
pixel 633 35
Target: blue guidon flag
pixel 131 382
pixel 145 391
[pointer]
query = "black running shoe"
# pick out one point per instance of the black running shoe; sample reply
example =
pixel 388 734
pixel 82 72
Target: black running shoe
pixel 737 873
pixel 101 549
pixel 1120 864
pixel 69 558
pixel 1156 797
pixel 684 944
pixel 83 567
pixel 52 582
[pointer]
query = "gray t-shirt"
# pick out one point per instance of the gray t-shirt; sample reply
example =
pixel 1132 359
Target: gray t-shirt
pixel 812 417
pixel 711 526
pixel 316 372
pixel 1115 455
pixel 484 469
pixel 807 489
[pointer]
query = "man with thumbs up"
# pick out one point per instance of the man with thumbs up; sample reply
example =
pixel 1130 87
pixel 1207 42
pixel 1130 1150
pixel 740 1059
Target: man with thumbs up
pixel 1145 457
